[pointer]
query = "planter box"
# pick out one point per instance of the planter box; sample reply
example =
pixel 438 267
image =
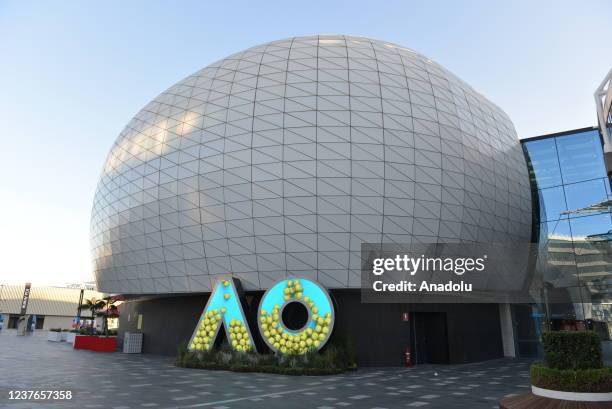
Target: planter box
pixel 95 343
pixel 70 337
pixel 63 337
pixel 573 396
pixel 531 401
pixel 54 336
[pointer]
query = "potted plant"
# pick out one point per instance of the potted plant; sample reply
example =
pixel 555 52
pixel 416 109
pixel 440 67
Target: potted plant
pixel 572 370
pixel 87 338
pixel 54 335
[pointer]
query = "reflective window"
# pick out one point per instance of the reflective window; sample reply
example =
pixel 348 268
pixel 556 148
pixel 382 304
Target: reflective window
pixel 592 238
pixel 591 228
pixel 556 230
pixel 552 203
pixel 584 194
pixel 575 260
pixel 580 156
pixel 542 158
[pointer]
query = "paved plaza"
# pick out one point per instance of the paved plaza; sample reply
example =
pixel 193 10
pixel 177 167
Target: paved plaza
pixel 116 380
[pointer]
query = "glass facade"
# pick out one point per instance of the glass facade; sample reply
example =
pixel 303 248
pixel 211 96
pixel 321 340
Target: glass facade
pixel 574 229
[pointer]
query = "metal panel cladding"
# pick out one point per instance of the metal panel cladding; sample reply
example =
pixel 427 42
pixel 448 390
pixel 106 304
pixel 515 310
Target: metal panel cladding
pixel 282 159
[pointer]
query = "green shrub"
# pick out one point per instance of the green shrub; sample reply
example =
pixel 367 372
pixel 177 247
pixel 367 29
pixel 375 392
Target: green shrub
pixel 572 350
pixel 337 357
pixel 582 380
pixel 345 349
pixel 55 330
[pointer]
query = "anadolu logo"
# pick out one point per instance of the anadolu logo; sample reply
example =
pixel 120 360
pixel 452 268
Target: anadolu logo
pixel 224 308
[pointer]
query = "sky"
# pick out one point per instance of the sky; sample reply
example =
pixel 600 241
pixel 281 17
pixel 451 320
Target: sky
pixel 72 74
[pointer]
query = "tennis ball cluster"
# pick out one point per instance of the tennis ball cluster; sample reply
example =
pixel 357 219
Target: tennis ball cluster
pixel 294 343
pixel 239 337
pixel 205 332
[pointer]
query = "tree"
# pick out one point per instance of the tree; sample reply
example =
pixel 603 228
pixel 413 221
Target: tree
pixel 94 305
pixel 109 310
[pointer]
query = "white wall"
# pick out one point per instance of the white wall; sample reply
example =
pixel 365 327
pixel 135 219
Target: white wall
pixel 57 322
pixel 507 330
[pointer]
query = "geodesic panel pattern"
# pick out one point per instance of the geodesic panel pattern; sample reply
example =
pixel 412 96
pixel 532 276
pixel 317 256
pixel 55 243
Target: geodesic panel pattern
pixel 281 160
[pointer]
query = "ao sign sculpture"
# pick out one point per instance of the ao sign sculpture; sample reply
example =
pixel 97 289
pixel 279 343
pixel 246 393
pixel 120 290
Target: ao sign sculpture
pixel 224 308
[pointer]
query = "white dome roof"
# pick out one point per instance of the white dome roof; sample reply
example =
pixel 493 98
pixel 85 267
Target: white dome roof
pixel 282 159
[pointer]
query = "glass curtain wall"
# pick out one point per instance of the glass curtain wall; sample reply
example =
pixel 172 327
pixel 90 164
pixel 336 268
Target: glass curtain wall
pixel 568 177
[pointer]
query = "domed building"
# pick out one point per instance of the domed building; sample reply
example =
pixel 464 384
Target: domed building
pixel 281 160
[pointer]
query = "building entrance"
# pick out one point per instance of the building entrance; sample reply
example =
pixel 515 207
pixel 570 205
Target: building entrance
pixel 429 338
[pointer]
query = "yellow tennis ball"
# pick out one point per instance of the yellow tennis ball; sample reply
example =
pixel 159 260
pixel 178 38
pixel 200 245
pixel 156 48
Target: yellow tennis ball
pixel 226 296
pixel 226 283
pixel 223 310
